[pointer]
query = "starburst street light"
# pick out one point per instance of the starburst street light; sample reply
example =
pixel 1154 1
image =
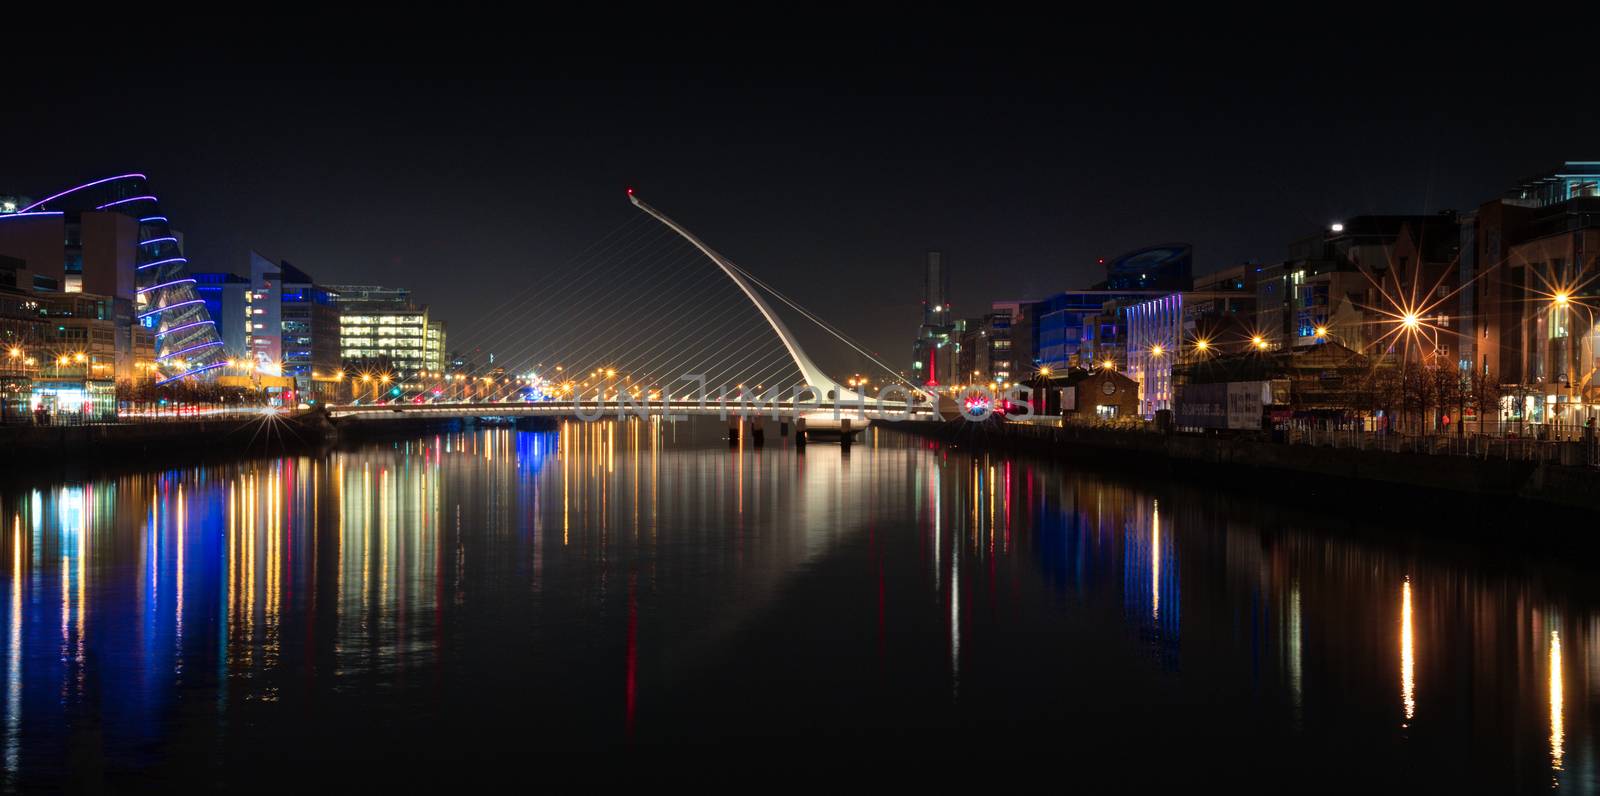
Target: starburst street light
pixel 1202 345
pixel 1156 350
pixel 1321 332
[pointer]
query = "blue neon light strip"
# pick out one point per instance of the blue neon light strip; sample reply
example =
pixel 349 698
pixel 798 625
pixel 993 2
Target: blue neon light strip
pixel 187 350
pixel 142 291
pixel 148 219
pixel 163 262
pixel 159 310
pixel 81 187
pixel 191 373
pixel 158 240
pixel 128 200
pixel 31 215
pixel 185 326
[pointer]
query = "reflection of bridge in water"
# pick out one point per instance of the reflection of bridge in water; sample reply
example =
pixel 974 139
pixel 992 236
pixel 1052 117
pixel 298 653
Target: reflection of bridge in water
pixel 723 361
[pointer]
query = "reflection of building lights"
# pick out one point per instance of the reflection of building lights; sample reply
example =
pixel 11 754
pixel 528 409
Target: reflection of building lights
pixel 1408 661
pixel 1557 704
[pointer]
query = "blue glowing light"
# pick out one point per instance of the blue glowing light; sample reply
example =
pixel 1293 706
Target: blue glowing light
pixel 158 240
pixel 148 219
pixel 190 373
pixel 31 215
pixel 163 262
pixel 144 290
pixel 190 348
pixel 159 310
pixel 166 332
pixel 129 200
pixel 81 187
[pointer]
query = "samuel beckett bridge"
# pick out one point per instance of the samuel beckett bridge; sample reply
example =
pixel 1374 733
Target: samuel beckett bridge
pixel 649 321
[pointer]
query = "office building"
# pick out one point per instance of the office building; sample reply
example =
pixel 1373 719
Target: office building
pixel 934 352
pixel 382 331
pixel 1355 279
pixel 227 297
pixel 1530 261
pixel 984 349
pixel 1172 328
pixel 1166 268
pixel 108 239
pixel 436 354
pixel 294 328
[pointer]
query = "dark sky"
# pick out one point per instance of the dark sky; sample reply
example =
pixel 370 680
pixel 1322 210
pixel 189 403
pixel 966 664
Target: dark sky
pixel 815 162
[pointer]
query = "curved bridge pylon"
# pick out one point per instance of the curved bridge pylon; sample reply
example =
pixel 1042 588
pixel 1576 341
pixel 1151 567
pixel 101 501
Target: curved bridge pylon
pixel 813 375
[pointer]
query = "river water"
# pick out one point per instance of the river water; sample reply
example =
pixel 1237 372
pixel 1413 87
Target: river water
pixel 638 599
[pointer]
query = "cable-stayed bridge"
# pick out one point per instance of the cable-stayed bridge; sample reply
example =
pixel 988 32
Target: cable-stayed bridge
pixel 648 321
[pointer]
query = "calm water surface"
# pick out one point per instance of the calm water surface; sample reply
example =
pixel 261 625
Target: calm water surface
pixel 621 600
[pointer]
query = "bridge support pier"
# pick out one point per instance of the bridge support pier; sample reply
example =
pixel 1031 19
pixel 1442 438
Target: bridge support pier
pixel 733 432
pixel 800 433
pixel 845 433
pixel 783 428
pixel 758 432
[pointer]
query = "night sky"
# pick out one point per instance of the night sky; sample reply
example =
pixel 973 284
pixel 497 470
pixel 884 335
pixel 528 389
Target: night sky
pixel 813 163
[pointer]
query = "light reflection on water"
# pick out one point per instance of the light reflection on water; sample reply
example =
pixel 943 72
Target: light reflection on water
pixel 644 583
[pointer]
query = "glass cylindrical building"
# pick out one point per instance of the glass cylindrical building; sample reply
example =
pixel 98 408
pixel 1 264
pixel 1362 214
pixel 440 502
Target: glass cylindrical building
pixel 165 300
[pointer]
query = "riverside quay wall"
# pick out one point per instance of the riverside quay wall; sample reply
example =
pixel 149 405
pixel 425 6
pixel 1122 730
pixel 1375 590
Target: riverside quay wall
pixel 25 448
pixel 50 449
pixel 1242 458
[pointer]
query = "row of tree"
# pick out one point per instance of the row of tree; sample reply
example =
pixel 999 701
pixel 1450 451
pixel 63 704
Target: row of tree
pixel 1420 397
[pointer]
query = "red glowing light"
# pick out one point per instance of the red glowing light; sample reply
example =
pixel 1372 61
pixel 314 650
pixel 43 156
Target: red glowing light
pixel 630 191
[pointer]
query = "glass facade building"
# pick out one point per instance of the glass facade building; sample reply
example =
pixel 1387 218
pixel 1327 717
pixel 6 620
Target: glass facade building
pixel 1155 330
pixel 111 239
pixel 1166 267
pixel 227 298
pixel 436 350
